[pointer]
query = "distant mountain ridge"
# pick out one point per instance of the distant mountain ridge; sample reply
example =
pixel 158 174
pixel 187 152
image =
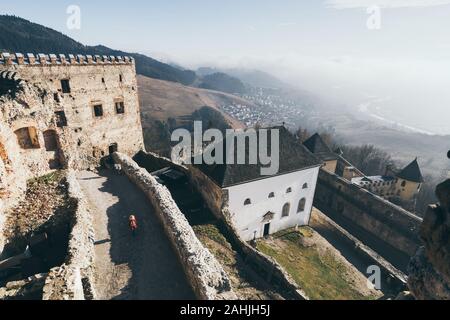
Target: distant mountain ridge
pixel 20 35
pixel 254 78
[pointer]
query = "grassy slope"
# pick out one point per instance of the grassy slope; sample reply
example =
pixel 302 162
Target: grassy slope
pixel 162 100
pixel 322 277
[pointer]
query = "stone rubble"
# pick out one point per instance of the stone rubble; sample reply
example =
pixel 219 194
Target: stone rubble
pixel 429 270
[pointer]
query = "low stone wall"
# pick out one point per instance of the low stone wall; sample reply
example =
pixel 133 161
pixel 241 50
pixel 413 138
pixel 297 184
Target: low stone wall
pixel 262 264
pixel 380 218
pixel 153 162
pixel 206 276
pixel 73 280
pixel 391 277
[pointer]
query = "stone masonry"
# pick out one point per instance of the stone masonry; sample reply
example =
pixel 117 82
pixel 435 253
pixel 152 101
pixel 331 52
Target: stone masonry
pixel 63 112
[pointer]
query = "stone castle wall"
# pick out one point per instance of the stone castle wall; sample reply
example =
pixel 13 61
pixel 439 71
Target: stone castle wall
pixel 74 279
pixel 382 220
pixel 48 116
pixel 429 270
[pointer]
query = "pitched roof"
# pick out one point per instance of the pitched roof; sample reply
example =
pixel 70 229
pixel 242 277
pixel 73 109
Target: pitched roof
pixel 293 156
pixel 412 172
pixel 316 145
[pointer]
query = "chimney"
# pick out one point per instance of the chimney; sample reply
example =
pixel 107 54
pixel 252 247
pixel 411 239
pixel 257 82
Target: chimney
pixel 31 59
pixel 20 58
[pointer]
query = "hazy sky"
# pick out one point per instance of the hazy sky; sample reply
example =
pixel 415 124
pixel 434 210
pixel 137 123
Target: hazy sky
pixel 321 45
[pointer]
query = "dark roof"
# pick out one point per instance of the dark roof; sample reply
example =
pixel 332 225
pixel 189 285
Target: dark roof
pixel 316 145
pixel 412 173
pixel 293 157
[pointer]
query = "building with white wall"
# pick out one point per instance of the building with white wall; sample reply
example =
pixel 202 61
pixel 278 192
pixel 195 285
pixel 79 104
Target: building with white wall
pixel 263 205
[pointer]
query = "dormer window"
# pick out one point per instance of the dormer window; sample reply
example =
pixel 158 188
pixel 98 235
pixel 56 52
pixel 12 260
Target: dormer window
pixel 289 190
pixel 247 202
pixel 305 186
pixel 272 195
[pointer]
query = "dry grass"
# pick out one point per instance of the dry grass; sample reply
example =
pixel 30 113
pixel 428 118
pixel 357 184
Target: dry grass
pixel 319 274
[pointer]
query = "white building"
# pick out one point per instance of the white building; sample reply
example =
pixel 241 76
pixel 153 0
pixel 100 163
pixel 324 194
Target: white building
pixel 263 205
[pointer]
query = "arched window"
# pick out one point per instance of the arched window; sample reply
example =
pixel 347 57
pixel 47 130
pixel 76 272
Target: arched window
pixel 305 186
pixel 247 202
pixel 272 195
pixel 289 190
pixel 27 138
pixel 286 210
pixel 301 205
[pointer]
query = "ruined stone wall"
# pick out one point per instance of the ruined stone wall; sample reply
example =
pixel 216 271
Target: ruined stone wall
pixel 48 119
pixel 393 280
pixel 215 198
pixel 205 274
pixel 73 280
pixel 153 162
pixel 429 270
pixel 381 219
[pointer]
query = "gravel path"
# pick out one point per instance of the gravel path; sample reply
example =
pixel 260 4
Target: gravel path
pixel 144 267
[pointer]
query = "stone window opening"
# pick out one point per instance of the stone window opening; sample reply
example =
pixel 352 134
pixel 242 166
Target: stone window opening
pixel 56 97
pixel 120 78
pixel 120 107
pixel 305 186
pixel 272 195
pixel 404 184
pixel 98 110
pixel 286 210
pixel 301 205
pixel 289 190
pixel 65 86
pixel 51 140
pixel 60 119
pixel 113 148
pixel 103 80
pixel 247 202
pixel 28 138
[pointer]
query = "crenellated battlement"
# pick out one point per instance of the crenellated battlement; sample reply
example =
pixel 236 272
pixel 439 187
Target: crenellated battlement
pixel 30 59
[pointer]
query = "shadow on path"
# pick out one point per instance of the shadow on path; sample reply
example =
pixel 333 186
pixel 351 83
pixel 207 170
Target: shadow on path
pixel 144 267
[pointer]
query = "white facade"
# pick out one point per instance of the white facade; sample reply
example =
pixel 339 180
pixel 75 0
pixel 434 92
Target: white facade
pixel 264 214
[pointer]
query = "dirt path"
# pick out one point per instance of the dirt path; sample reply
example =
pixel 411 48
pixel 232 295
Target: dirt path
pixel 127 268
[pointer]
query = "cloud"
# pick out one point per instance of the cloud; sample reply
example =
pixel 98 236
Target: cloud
pixel 351 4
